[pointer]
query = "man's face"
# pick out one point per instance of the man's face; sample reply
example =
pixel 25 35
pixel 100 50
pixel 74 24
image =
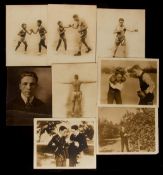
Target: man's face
pixel 76 19
pixel 76 77
pixel 121 22
pixel 38 24
pixel 64 133
pixel 74 131
pixel 119 77
pixel 27 86
pixel 24 26
pixel 61 24
pixel 136 72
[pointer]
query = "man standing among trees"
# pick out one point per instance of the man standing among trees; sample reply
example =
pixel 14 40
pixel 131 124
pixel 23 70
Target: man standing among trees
pixel 124 139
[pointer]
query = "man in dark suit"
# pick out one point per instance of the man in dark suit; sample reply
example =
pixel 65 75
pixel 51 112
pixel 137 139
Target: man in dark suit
pixel 59 146
pixel 124 139
pixel 26 102
pixel 78 145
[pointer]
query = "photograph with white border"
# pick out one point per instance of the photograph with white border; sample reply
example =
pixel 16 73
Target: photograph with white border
pixel 26 44
pixel 75 90
pixel 128 82
pixel 127 130
pixel 64 143
pixel 72 33
pixel 120 33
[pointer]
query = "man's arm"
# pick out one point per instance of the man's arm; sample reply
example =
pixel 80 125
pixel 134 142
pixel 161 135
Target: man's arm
pixel 86 82
pixel 83 26
pixel 135 30
pixel 34 31
pixel 29 32
pixel 65 82
pixel 75 26
pixel 147 79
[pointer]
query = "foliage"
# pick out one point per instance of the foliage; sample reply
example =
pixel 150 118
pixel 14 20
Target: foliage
pixel 140 127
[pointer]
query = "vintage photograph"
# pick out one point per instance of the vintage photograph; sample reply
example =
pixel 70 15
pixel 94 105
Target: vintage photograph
pixel 125 130
pixel 64 144
pixel 75 90
pixel 72 33
pixel 120 33
pixel 128 82
pixel 26 44
pixel 28 95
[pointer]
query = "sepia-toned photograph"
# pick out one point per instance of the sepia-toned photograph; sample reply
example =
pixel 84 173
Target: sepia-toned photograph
pixel 127 130
pixel 28 95
pixel 64 144
pixel 128 82
pixel 120 33
pixel 72 33
pixel 26 44
pixel 75 90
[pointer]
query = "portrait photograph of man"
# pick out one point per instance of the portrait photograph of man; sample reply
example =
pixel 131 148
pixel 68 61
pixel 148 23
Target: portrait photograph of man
pixel 27 94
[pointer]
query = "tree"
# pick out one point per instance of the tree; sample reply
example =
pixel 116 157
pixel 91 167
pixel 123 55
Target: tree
pixel 141 129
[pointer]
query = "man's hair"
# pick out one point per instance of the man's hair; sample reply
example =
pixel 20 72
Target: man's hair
pixel 75 16
pixel 121 19
pixel 39 21
pixel 136 66
pixel 58 22
pixel 23 24
pixel 61 128
pixel 74 127
pixel 76 76
pixel 30 74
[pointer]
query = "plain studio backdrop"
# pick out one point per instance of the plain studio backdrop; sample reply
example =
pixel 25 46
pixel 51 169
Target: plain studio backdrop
pixel 15 16
pixel 43 91
pixel 131 85
pixel 108 20
pixel 62 96
pixel 65 14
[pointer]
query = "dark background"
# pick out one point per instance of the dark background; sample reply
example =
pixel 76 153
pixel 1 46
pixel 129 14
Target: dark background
pixel 17 142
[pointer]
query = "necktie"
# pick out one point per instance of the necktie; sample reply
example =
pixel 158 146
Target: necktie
pixel 28 104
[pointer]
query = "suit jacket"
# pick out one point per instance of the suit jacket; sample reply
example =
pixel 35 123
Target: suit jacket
pixel 37 106
pixel 81 139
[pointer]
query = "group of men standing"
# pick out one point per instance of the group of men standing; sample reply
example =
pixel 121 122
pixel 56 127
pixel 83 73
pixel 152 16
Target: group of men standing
pixel 68 146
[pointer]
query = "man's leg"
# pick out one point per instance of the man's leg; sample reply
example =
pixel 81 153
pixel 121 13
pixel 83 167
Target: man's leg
pixel 122 144
pixel 149 99
pixel 43 44
pixel 86 45
pixel 59 161
pixel 59 43
pixel 65 43
pixel 142 101
pixel 117 43
pixel 123 43
pixel 73 106
pixel 126 144
pixel 110 96
pixel 26 45
pixel 19 42
pixel 79 51
pixel 118 98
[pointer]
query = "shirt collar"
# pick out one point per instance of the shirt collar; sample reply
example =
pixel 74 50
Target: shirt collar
pixel 24 98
